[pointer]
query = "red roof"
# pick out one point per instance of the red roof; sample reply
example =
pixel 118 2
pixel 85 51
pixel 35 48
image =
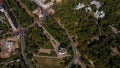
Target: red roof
pixel 1 1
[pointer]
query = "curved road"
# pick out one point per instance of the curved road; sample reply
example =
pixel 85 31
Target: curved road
pixel 75 50
pixel 72 43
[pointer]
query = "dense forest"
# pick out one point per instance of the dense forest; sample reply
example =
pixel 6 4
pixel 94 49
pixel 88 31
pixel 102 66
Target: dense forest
pixel 96 42
pixel 83 27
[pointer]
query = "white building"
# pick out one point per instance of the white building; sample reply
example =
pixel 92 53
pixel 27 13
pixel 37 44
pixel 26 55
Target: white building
pixel 96 3
pixel 79 6
pixel 62 51
pixel 88 9
pixel 99 14
pixel 10 45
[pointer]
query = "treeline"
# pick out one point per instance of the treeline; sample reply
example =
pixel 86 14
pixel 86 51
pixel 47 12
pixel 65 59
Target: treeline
pixel 22 17
pixel 83 27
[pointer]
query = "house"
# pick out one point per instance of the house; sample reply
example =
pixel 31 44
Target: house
pixel 10 45
pixel 96 3
pixel 99 14
pixel 88 9
pixel 79 6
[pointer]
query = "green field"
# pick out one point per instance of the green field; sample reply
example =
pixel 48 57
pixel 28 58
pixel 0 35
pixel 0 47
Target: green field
pixel 48 63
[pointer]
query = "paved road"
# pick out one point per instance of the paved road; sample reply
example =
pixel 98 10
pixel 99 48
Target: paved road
pixel 72 43
pixel 74 49
pixel 23 48
pixel 21 33
pixel 77 54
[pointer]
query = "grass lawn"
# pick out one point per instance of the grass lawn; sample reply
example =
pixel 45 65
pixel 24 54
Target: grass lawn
pixel 48 63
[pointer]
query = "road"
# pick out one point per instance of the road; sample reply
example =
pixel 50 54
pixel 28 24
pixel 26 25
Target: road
pixel 23 48
pixel 74 49
pixel 21 33
pixel 72 43
pixel 76 53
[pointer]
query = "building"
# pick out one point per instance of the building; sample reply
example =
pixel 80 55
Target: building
pixel 79 6
pixel 38 12
pixel 43 9
pixel 10 45
pixel 96 3
pixel 99 14
pixel 41 4
pixel 88 9
pixel 62 51
pixel 1 6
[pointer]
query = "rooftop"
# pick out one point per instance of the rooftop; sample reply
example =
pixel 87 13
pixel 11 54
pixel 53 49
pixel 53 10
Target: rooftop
pixel 99 14
pixel 97 3
pixel 79 6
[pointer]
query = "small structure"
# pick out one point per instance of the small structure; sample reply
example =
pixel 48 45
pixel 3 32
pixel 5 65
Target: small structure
pixel 1 6
pixel 10 45
pixel 96 3
pixel 99 14
pixel 38 12
pixel 17 60
pixel 79 6
pixel 88 9
pixel 62 51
